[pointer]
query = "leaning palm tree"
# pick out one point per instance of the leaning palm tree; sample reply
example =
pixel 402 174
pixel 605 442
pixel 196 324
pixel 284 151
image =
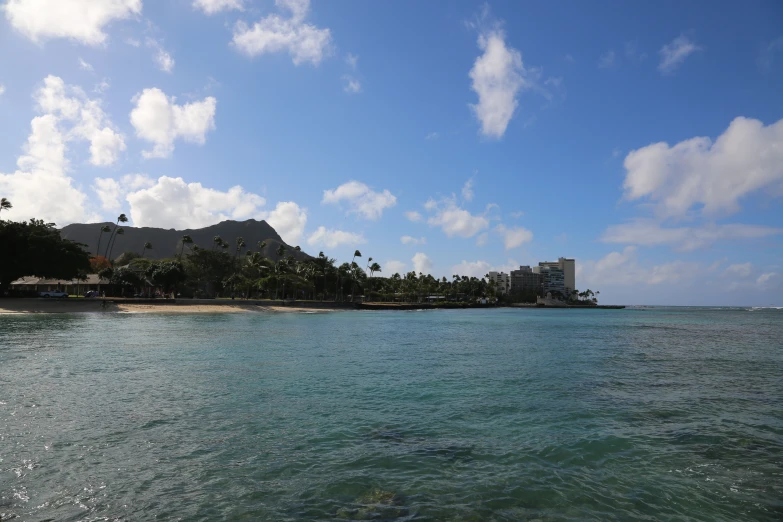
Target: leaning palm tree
pixel 217 241
pixel 104 228
pixel 120 231
pixel 122 218
pixel 147 246
pixel 5 204
pixel 186 240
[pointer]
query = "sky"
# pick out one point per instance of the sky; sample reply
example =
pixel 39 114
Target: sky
pixel 643 139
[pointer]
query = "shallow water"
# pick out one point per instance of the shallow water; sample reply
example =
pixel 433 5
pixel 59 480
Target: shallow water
pixel 445 415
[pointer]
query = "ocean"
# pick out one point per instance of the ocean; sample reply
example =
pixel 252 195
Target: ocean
pixel 458 415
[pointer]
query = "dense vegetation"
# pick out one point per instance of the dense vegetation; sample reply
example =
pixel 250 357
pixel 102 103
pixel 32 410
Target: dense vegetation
pixel 228 270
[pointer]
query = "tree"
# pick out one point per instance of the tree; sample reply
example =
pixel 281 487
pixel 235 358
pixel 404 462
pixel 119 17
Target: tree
pixel 167 274
pixel 104 228
pixel 186 240
pixel 216 242
pixel 36 248
pixel 98 263
pixel 147 246
pixel 5 204
pixel 122 218
pixel 120 231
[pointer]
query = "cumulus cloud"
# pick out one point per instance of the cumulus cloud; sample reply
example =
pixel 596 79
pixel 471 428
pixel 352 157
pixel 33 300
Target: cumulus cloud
pixel 421 263
pixel 514 236
pixel 360 199
pixel 80 20
pixel 414 216
pixel 392 267
pixel 332 238
pixel 623 269
pixel 274 33
pixel 173 203
pixel 471 268
pixel 649 232
pixel 211 7
pixel 289 220
pixel 675 52
pixel 454 220
pixel 746 158
pixel 109 193
pixel 158 119
pixel 41 186
pixel 497 77
pixel 410 240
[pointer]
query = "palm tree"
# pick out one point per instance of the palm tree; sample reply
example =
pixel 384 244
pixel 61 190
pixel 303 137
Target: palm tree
pixel 120 231
pixel 147 246
pixel 217 241
pixel 261 245
pixel 186 240
pixel 240 245
pixel 104 228
pixel 5 204
pixel 120 219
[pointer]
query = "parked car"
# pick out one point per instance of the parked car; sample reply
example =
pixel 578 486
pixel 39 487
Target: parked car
pixel 53 293
pixel 91 293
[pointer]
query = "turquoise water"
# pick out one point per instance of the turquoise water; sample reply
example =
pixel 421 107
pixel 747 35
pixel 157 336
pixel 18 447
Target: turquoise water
pixel 662 414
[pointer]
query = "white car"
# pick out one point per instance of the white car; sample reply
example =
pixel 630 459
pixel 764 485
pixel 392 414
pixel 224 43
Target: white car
pixel 53 293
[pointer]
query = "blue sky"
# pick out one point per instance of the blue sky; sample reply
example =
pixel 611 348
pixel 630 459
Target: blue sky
pixel 645 140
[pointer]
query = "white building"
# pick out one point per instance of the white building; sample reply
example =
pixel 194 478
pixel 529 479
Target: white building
pixel 568 267
pixel 502 282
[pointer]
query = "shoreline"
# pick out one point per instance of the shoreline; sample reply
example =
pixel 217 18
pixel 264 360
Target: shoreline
pixel 38 305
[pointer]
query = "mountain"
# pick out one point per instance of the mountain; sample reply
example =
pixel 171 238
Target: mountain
pixel 166 243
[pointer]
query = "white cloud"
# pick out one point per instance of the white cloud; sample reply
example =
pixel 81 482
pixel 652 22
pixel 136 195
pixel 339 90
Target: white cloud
pixel 623 269
pixel 352 60
pixel 432 136
pixel 482 239
pixel 392 267
pixel 675 52
pixel 40 187
pixel 497 79
pixel 739 270
pixel 211 7
pixel 410 240
pixel 84 65
pixel 606 60
pixel 746 158
pixel 158 119
pixel 172 203
pixel 133 42
pixel 648 232
pixel 471 268
pixel 414 216
pixel 767 280
pixel 162 58
pixel 272 34
pixel 70 105
pixel 109 192
pixel 360 199
pixel 455 221
pixel 421 263
pixel 332 238
pixel 2 89
pixel 352 85
pixel 467 190
pixel 289 220
pixel 514 236
pixel 80 20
